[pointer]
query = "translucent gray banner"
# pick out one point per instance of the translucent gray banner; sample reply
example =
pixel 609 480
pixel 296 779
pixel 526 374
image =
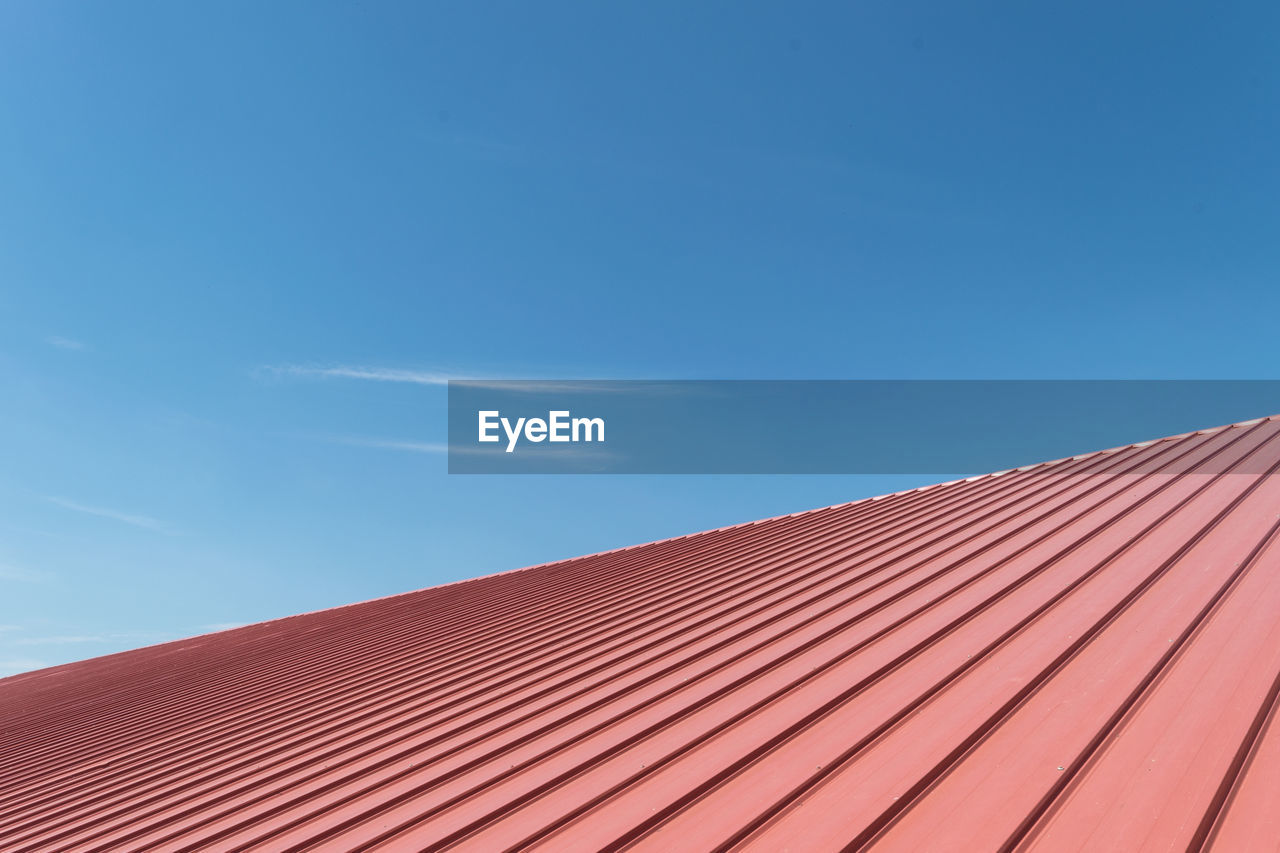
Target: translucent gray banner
pixel 943 427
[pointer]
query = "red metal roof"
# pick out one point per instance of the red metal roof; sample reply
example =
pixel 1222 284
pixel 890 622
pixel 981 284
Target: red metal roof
pixel 1080 655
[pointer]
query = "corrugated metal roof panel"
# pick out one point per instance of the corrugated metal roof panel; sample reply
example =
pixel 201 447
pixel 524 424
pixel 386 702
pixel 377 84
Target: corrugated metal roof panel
pixel 1079 655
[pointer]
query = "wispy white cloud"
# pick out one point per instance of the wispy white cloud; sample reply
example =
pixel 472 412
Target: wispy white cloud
pixel 13 666
pixel 146 522
pixel 61 640
pixel 369 374
pixel 85 638
pixel 546 386
pixel 434 447
pixel 388 444
pixel 222 626
pixel 64 343
pixel 428 377
pixel 17 573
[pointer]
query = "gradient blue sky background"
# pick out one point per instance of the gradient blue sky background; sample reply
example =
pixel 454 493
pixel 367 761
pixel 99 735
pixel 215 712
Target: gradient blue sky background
pixel 209 213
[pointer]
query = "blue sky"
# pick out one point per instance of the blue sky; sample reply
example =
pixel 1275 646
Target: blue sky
pixel 242 244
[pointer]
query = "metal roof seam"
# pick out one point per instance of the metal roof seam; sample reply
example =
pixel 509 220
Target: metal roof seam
pixel 1211 823
pixel 1176 647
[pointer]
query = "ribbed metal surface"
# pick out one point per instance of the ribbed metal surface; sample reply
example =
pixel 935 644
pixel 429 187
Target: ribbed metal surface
pixel 1082 655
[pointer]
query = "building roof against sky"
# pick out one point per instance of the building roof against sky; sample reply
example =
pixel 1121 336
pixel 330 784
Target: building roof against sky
pixel 1078 655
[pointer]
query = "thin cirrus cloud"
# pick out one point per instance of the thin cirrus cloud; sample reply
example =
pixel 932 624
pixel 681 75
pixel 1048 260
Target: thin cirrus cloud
pixel 60 640
pixel 17 573
pixel 369 374
pixel 436 447
pixel 424 377
pixel 221 626
pixel 564 454
pixel 391 444
pixel 133 637
pixel 65 343
pixel 13 666
pixel 439 447
pixel 145 522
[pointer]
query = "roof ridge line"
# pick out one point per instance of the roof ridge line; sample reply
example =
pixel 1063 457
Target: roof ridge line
pixel 779 517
